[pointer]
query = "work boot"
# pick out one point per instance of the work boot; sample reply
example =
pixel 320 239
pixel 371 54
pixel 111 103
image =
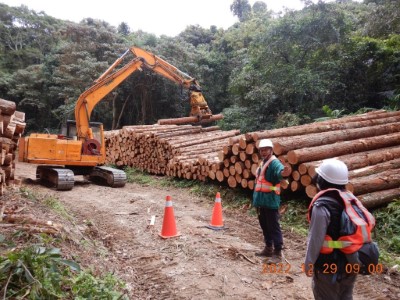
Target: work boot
pixel 276 257
pixel 267 251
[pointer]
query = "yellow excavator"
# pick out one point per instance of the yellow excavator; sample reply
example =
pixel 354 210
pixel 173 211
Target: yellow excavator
pixel 81 150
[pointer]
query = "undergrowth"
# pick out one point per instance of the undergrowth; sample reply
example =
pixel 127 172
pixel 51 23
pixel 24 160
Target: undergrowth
pixel 37 272
pixel 32 267
pixel 387 232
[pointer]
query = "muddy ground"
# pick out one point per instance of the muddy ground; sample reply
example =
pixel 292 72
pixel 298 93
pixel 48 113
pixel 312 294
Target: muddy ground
pixel 110 231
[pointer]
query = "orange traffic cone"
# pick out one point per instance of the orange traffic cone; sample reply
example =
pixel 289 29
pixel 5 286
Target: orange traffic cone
pixel 169 226
pixel 216 220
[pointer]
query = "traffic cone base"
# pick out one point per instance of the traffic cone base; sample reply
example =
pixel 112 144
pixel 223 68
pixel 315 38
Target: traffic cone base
pixel 169 226
pixel 217 222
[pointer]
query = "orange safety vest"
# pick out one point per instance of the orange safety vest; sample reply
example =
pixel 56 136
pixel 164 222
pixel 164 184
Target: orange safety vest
pixel 349 243
pixel 262 185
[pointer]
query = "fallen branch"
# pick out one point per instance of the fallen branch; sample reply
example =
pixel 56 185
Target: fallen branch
pixel 29 220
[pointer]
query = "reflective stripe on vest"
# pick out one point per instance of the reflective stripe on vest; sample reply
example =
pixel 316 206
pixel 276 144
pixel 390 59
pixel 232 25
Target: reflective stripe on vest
pixel 262 185
pixel 349 243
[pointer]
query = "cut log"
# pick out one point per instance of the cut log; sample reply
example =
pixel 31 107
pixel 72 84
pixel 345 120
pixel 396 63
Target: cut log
pixel 382 181
pixel 235 149
pixel 250 184
pixel 239 167
pixel 6 120
pixel 220 176
pixel 334 124
pixel 370 170
pixel 244 183
pixel 282 146
pixel 295 186
pixel 305 180
pixel 296 175
pixel 190 120
pixel 379 198
pixel 362 159
pixel 254 168
pixel 255 157
pixel 210 138
pixel 232 181
pixel 7 107
pixel 311 190
pixel 19 116
pixel 341 148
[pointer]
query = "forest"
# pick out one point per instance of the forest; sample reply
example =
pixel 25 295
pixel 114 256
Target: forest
pixel 266 71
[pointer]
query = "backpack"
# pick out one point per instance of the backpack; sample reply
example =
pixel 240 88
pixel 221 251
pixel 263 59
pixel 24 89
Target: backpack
pixel 367 256
pixel 354 240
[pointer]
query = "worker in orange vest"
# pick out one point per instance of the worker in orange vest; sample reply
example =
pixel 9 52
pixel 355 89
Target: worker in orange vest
pixel 266 200
pixel 327 248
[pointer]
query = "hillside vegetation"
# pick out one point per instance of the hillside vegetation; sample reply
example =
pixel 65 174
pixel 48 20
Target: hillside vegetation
pixel 268 70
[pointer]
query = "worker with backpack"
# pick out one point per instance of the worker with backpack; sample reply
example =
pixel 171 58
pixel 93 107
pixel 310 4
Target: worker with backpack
pixel 339 244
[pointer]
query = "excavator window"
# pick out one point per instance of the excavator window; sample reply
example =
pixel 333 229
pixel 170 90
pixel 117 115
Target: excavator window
pixel 70 131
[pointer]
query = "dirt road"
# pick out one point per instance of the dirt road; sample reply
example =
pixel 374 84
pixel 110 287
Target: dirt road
pixel 200 263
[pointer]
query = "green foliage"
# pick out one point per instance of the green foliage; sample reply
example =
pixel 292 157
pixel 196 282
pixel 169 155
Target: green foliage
pixel 388 227
pixel 28 193
pixel 37 272
pixel 57 206
pixel 330 114
pixel 49 201
pixel 287 119
pixel 295 216
pixel 237 118
pixel 86 286
pixel 135 175
pixel 34 271
pixel 393 103
pixel 241 9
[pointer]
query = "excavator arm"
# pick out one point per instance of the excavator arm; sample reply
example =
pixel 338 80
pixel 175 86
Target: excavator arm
pixel 112 78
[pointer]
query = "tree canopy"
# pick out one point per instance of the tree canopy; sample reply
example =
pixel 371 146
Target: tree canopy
pixel 267 70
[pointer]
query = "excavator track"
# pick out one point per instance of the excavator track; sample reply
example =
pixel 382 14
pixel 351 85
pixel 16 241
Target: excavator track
pixel 113 177
pixel 62 179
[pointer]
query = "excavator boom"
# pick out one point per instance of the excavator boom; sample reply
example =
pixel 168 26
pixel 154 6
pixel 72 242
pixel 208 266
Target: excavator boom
pixel 111 78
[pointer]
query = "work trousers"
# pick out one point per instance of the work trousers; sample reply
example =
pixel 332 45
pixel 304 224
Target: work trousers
pixel 269 222
pixel 324 289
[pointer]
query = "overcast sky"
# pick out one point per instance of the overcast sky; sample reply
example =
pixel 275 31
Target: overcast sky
pixel 169 17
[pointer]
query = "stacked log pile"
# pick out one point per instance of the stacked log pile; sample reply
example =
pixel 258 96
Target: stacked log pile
pixel 181 151
pixel 369 144
pixel 12 125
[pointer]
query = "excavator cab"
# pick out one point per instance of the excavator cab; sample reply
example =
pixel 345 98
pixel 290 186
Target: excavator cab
pixel 71 132
pixel 199 106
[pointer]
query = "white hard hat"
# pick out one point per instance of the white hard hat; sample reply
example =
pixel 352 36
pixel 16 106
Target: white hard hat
pixel 265 143
pixel 334 171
